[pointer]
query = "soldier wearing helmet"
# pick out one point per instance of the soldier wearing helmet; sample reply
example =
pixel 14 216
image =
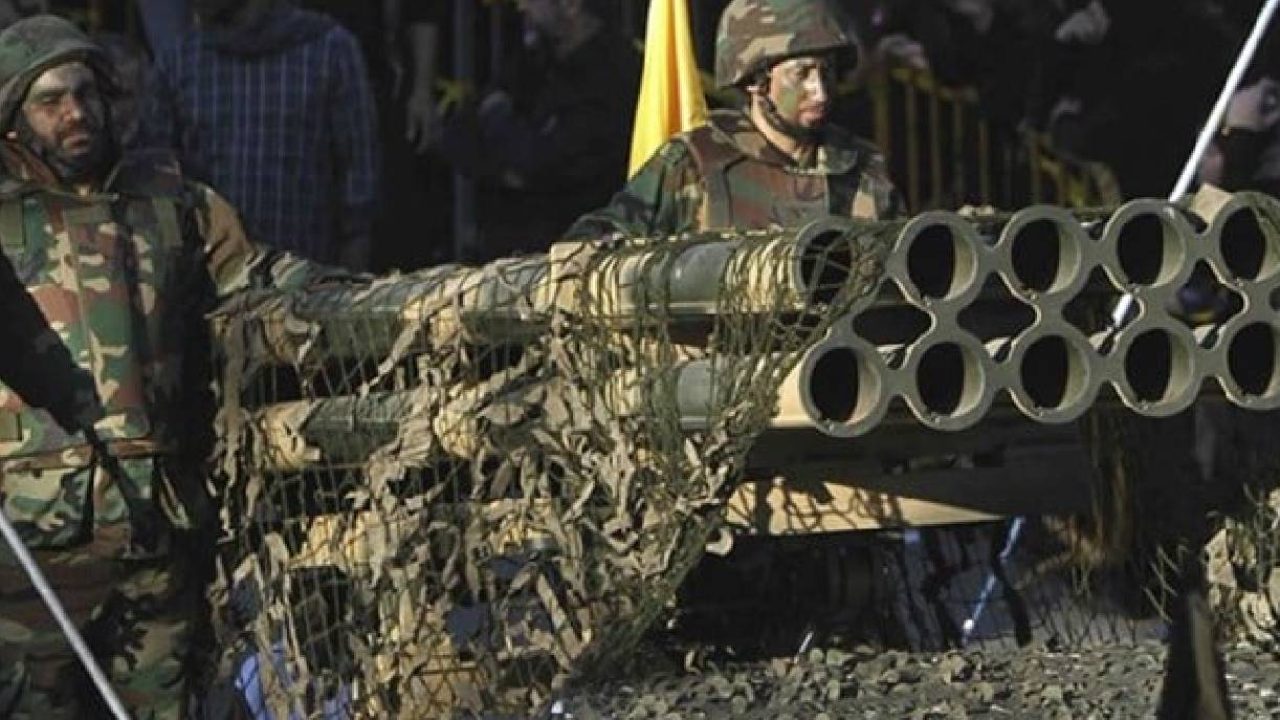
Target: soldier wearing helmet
pixel 776 162
pixel 122 256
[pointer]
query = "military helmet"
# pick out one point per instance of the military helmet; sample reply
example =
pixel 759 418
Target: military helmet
pixel 35 44
pixel 756 33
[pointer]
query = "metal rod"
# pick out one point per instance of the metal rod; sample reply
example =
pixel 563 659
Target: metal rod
pixel 464 70
pixel 1121 311
pixel 81 649
pixel 913 146
pixel 971 623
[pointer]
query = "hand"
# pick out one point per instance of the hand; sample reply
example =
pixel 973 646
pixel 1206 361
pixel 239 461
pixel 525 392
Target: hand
pixel 980 13
pixel 901 51
pixel 421 120
pixel 395 68
pixel 496 103
pixel 1212 165
pixel 1087 26
pixel 1256 107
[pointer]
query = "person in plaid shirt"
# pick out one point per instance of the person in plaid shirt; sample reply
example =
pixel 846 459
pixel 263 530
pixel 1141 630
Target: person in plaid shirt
pixel 271 105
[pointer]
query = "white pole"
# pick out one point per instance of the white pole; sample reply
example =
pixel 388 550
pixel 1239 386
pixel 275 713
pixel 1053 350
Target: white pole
pixel 1121 311
pixel 971 623
pixel 60 614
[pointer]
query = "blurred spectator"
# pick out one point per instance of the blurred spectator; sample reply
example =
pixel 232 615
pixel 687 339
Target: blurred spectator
pixel 890 30
pixel 1245 153
pixel 132 74
pixel 271 105
pixel 401 43
pixel 550 140
pixel 11 11
pixel 401 40
pixel 961 43
pixel 417 78
pixel 973 45
pixel 1135 81
pixel 164 22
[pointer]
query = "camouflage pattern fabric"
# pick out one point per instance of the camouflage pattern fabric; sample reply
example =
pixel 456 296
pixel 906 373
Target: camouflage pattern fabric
pixel 669 194
pixel 37 364
pixel 136 614
pixel 1242 558
pixel 123 277
pixel 755 33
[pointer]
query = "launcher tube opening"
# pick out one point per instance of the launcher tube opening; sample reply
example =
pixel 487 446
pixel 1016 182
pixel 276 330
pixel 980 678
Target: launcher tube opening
pixel 949 380
pixel 941 262
pixel 1150 250
pixel 1252 361
pixel 1244 247
pixel 1053 373
pixel 1044 257
pixel 1157 367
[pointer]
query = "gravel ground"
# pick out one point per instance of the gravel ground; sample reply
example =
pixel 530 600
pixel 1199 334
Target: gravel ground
pixel 1114 681
pixel 1084 656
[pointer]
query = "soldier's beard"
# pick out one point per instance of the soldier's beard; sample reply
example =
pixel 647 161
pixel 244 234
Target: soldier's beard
pixel 794 130
pixel 71 167
pixel 806 135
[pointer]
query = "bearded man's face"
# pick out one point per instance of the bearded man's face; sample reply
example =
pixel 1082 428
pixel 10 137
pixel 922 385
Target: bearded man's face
pixel 64 120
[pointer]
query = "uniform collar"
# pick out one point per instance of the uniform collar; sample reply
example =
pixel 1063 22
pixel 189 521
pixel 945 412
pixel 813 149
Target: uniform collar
pixel 25 167
pixel 834 155
pixel 139 173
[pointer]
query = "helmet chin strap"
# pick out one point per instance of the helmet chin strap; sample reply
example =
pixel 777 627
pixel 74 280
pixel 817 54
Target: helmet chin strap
pixel 777 122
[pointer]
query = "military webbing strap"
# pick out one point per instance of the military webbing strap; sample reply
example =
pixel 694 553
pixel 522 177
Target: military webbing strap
pixel 713 159
pixel 13 234
pixel 94 214
pixel 13 238
pixel 166 211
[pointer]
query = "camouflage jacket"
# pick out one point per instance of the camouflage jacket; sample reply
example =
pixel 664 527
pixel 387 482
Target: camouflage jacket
pixel 725 174
pixel 123 275
pixel 36 364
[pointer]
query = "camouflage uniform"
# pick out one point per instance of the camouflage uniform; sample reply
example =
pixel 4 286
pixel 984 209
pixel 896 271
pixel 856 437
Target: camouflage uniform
pixel 123 274
pixel 726 174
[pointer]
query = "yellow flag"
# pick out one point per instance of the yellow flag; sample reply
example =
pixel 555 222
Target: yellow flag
pixel 671 98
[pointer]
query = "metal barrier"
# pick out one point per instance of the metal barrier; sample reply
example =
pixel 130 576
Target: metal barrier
pixel 945 152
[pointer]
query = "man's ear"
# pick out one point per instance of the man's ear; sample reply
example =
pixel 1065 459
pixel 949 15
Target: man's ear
pixel 757 87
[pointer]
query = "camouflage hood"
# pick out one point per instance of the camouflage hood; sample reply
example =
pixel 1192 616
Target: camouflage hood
pixel 756 33
pixel 31 46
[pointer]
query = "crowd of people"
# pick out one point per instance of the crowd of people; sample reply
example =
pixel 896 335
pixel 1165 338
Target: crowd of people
pixel 540 126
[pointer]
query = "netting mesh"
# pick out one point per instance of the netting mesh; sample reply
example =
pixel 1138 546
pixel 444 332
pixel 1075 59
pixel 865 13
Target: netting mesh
pixel 454 490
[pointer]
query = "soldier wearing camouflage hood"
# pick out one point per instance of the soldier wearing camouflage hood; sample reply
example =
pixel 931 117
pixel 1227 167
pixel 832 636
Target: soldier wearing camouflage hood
pixel 777 162
pixel 123 257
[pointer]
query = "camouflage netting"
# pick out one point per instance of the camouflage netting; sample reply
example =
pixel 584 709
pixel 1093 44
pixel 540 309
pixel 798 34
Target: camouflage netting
pixel 455 490
pixel 1243 555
